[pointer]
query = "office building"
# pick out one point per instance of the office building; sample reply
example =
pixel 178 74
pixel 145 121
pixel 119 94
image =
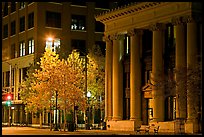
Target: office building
pixel 28 28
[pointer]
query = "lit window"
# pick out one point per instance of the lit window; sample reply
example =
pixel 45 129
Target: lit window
pixel 55 47
pixel 30 46
pixel 22 49
pixel 78 22
pixel 22 5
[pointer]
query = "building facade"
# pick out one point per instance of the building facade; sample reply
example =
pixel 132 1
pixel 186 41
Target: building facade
pixel 30 27
pixel 152 50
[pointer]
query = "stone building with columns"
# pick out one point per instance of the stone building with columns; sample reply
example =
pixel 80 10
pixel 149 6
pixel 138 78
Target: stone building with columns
pixel 149 46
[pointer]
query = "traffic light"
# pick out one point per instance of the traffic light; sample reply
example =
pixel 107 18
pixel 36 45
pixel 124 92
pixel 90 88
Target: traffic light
pixel 8 97
pixel 8 100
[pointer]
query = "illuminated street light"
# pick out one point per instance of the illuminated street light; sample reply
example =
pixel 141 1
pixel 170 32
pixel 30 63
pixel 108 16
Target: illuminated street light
pixel 88 96
pixel 56 124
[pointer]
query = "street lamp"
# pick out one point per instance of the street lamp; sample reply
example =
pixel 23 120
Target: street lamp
pixel 56 124
pixel 88 96
pixel 56 127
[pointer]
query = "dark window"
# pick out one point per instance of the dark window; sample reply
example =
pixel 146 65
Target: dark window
pixel 102 4
pixel 25 73
pixel 12 80
pixel 80 3
pixel 5 9
pixel 79 45
pixel 20 73
pixel 53 19
pixel 7 78
pixel 99 27
pixel 22 23
pixel 13 51
pixel 102 46
pixel 13 28
pixel 22 5
pixel 170 108
pixel 13 6
pixel 30 20
pixel 78 22
pixel 5 34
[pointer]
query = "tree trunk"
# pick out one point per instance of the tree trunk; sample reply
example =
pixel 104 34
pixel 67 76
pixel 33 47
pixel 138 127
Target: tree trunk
pixel 40 119
pixel 65 119
pixel 50 120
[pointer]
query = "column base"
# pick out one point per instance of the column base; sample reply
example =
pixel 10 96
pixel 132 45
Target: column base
pixel 192 126
pixel 109 118
pixel 120 125
pixel 137 122
pixel 116 118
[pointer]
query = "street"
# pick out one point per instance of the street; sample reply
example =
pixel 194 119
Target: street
pixel 37 131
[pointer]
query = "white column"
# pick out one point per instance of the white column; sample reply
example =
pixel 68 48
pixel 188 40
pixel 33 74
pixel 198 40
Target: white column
pixel 158 72
pixel 108 79
pixel 135 75
pixel 180 71
pixel 118 51
pixel 192 64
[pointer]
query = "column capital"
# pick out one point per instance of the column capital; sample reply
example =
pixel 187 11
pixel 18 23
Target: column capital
pixel 107 38
pixel 133 32
pixel 117 36
pixel 177 21
pixel 192 19
pixel 157 27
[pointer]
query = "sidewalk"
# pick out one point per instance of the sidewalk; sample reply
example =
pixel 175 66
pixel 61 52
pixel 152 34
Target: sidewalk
pixel 107 132
pixel 98 131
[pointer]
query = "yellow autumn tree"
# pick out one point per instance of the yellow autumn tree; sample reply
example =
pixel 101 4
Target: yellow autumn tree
pixel 55 78
pixel 71 83
pixel 96 77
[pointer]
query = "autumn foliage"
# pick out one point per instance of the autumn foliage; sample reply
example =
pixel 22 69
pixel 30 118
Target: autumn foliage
pixel 55 77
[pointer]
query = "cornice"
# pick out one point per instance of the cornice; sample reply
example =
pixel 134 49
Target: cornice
pixel 125 10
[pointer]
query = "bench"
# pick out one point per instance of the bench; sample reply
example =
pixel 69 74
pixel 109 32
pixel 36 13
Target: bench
pixel 146 129
pixel 156 129
pixel 143 128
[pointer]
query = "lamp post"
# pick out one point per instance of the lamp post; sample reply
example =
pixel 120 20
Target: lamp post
pixel 56 124
pixel 56 127
pixel 86 60
pixel 88 96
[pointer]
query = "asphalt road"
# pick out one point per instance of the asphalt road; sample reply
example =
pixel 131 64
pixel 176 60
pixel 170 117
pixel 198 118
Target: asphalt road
pixel 37 131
